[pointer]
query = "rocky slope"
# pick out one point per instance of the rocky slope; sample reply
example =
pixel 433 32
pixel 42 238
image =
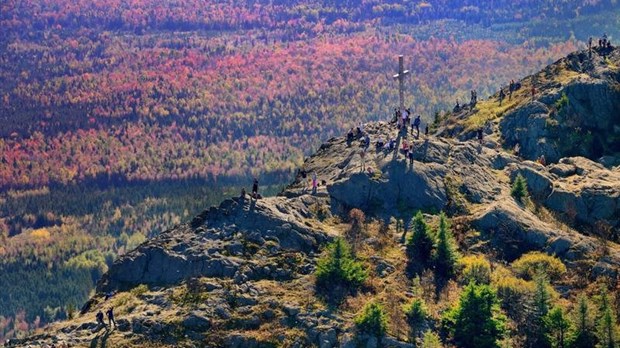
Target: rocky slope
pixel 241 274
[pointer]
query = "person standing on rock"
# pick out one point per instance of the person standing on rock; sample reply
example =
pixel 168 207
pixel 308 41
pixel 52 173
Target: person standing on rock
pixel 416 125
pixel 100 321
pixel 314 183
pixel 255 188
pixel 480 135
pixel 502 95
pixel 110 313
pixel 363 159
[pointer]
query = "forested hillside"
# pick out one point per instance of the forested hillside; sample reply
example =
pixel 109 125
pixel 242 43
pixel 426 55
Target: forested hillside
pixel 119 119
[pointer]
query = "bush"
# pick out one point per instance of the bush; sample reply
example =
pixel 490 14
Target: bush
pixel 339 268
pixel 519 188
pixel 420 244
pixel 513 293
pixel 528 264
pixel 355 233
pixel 476 268
pixel 372 320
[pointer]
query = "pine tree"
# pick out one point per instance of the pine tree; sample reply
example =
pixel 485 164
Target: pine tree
pixel 339 267
pixel 606 328
pixel 416 314
pixel 446 256
pixel 583 334
pixel 539 308
pixel 519 188
pixel 373 319
pixel 557 325
pixel 476 321
pixel 420 244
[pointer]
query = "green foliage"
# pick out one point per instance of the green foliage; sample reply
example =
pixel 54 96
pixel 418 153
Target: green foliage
pixel 338 267
pixel 446 255
pixel 562 102
pixel 417 314
pixel 476 268
pixel 537 331
pixel 528 265
pixel 557 325
pixel 606 328
pixel 93 261
pixel 139 290
pixel 583 333
pixel 420 242
pixel 476 321
pixel 431 340
pixel 519 188
pixel 372 320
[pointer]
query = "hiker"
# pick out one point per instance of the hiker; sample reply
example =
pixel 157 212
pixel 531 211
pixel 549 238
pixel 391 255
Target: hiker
pixel 255 188
pixel 100 321
pixel 474 97
pixel 314 183
pixel 391 144
pixel 363 160
pixel 350 137
pixel 590 47
pixel 242 196
pixel 405 147
pixel 480 135
pixel 110 314
pixel 511 89
pixel 366 141
pixel 408 118
pixel 416 125
pixel 502 95
pixel 410 154
pixel 426 130
pixel 379 144
pixel 457 107
pixel 542 160
pixel 533 92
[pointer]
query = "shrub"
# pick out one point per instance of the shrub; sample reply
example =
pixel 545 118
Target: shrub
pixel 519 188
pixel 528 264
pixel 139 290
pixel 372 319
pixel 476 268
pixel 354 234
pixel 513 293
pixel 339 268
pixel 420 244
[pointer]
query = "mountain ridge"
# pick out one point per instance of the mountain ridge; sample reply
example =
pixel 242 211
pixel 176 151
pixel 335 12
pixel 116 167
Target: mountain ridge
pixel 241 274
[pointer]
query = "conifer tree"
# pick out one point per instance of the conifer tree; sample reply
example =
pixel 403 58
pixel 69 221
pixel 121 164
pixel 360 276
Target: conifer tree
pixel 537 329
pixel 583 333
pixel 557 325
pixel 339 267
pixel 519 188
pixel 606 328
pixel 446 256
pixel 420 244
pixel 476 321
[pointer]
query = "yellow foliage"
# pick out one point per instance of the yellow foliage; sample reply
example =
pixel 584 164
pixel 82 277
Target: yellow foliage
pixel 527 265
pixel 41 233
pixel 475 268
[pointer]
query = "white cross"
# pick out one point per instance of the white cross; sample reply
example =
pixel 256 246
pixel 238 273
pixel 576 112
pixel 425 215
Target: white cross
pixel 401 82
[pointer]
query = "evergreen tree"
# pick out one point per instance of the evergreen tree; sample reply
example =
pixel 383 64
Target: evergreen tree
pixel 372 320
pixel 557 325
pixel 583 334
pixel 339 267
pixel 476 321
pixel 420 244
pixel 446 255
pixel 606 328
pixel 416 314
pixel 536 335
pixel 519 188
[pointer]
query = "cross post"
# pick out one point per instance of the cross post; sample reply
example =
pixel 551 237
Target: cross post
pixel 401 82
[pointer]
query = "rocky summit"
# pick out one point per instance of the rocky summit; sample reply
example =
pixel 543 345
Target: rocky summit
pixel 243 274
